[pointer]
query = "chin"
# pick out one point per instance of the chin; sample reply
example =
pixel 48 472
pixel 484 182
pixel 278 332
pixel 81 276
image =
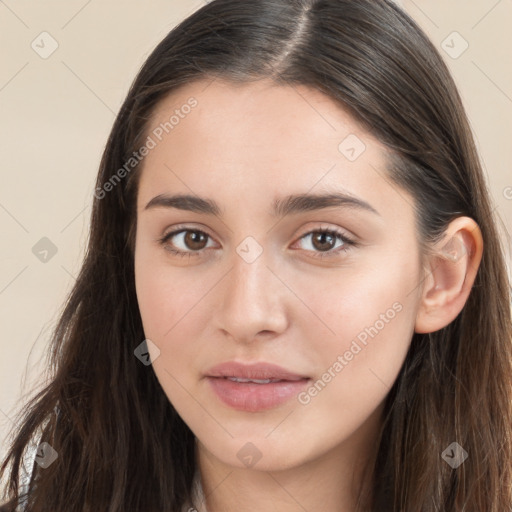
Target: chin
pixel 260 454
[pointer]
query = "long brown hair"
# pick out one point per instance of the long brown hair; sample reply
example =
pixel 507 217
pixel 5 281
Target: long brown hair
pixel 121 445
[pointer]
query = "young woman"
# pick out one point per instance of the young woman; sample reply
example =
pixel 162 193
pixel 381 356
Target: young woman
pixel 294 295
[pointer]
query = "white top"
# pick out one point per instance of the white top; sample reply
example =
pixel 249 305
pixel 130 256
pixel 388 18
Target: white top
pixel 198 504
pixel 28 460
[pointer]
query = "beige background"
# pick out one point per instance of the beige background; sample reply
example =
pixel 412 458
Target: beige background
pixel 56 114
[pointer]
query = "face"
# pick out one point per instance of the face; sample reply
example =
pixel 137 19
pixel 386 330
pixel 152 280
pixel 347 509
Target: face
pixel 325 289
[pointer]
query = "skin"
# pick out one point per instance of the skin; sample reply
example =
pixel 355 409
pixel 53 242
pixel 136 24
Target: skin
pixel 244 146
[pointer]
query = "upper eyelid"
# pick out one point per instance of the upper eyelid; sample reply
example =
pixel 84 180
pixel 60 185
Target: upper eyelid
pixel 337 231
pixel 177 230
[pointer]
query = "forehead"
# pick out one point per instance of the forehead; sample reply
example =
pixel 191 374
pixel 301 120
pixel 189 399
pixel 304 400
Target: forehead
pixel 215 138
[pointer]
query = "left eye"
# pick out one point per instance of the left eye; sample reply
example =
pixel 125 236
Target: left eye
pixel 321 241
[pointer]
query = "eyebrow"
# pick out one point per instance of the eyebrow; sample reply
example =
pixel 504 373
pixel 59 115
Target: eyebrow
pixel 292 204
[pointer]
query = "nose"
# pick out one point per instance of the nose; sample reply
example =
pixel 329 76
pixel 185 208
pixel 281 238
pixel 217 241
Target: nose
pixel 252 301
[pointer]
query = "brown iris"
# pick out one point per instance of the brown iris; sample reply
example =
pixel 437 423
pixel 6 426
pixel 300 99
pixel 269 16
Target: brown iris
pixel 322 245
pixel 195 240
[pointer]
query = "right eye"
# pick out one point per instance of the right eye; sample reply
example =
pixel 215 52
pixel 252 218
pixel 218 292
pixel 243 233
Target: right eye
pixel 192 242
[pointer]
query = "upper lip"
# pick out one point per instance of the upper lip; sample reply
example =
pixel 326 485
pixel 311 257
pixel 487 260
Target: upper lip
pixel 253 371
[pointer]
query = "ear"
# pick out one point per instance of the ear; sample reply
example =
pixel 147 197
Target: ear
pixel 449 275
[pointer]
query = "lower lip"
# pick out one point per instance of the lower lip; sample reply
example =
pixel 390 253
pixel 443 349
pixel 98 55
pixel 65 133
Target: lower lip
pixel 252 397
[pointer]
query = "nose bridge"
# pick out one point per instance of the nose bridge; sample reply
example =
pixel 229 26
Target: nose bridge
pixel 253 299
pixel 249 279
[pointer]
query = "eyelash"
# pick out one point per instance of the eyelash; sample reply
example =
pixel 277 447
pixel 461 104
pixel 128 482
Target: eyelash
pixel 348 242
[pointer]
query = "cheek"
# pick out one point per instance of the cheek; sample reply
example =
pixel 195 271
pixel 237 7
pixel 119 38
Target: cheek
pixel 372 314
pixel 168 300
pixel 167 296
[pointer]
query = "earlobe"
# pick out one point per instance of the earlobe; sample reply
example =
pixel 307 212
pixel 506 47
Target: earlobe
pixel 451 271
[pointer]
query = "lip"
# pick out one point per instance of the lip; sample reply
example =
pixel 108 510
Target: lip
pixel 251 396
pixel 260 370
